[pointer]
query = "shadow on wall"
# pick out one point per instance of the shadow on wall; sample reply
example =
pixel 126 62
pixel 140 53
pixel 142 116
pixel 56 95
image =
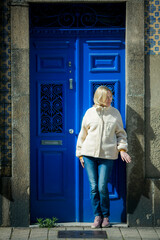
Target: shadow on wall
pixel 138 184
pixel 6 188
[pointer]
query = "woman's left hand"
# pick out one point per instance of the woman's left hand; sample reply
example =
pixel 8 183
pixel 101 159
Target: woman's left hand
pixel 125 157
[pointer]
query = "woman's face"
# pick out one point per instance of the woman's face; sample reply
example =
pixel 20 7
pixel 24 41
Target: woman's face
pixel 108 99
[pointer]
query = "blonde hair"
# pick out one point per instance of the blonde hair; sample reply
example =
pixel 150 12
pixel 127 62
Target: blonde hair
pixel 100 95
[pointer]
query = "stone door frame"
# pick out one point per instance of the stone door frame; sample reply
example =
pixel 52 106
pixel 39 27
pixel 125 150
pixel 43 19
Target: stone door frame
pixel 19 208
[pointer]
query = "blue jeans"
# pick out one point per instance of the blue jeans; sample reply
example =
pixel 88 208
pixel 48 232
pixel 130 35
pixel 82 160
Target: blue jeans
pixel 99 171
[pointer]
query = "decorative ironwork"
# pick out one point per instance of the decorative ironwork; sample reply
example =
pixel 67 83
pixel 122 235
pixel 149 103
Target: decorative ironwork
pixel 77 15
pixel 51 108
pixel 52 32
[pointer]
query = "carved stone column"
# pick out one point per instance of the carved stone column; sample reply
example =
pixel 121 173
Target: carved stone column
pixel 19 210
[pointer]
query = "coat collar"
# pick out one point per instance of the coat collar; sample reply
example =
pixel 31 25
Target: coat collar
pixel 101 108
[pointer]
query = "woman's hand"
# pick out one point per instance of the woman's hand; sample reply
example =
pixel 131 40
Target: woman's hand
pixel 81 161
pixel 125 157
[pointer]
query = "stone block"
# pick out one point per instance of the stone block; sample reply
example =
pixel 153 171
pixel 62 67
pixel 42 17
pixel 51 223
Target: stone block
pixel 135 76
pixel 20 27
pixel 145 209
pixel 152 69
pixel 20 162
pixel 135 110
pixel 139 198
pixel 19 210
pixel 20 72
pixel 135 47
pixel 135 37
pixel 21 137
pixel 152 128
pixel 156 203
pixel 153 143
pixel 135 83
pixel 135 127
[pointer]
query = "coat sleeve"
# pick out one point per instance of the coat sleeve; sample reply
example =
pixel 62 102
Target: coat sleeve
pixel 81 137
pixel 121 135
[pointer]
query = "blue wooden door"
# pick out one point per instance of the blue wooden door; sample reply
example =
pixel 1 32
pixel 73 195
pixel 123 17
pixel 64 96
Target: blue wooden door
pixel 65 72
pixel 103 63
pixel 52 129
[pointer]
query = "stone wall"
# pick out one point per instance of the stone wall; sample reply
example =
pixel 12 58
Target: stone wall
pixel 142 105
pixel 144 176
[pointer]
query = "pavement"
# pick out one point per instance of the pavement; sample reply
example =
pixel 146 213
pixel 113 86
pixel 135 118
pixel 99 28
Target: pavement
pixel 83 232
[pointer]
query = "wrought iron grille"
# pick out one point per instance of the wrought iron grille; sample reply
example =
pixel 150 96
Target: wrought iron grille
pixel 51 108
pixel 86 15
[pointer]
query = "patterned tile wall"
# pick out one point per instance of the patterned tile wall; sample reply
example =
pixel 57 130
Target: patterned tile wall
pixel 5 90
pixel 152 27
pixel 152 46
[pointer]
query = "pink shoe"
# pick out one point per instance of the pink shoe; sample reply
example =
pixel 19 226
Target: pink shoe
pixel 97 222
pixel 105 222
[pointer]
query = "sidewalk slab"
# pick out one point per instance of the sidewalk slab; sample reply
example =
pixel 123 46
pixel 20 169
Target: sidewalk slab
pixel 53 234
pixel 20 233
pixel 130 233
pixel 5 233
pixel 148 233
pixel 88 224
pixel 114 234
pixel 39 234
pixel 158 231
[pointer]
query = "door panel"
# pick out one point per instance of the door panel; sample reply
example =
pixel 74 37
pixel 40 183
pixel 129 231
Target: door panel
pixel 104 64
pixel 52 155
pixel 50 171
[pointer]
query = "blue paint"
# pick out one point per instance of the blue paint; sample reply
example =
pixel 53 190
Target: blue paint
pixel 77 124
pixel 52 108
pixel 104 62
pixel 59 186
pixel 113 76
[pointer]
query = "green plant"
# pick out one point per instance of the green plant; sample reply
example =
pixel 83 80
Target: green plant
pixel 47 222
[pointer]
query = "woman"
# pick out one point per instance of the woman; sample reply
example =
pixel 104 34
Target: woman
pixel 100 140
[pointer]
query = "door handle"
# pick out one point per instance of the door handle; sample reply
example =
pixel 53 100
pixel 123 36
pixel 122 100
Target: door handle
pixel 71 131
pixel 71 83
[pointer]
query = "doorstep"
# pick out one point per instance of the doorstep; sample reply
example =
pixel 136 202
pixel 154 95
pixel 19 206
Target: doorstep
pixel 83 224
